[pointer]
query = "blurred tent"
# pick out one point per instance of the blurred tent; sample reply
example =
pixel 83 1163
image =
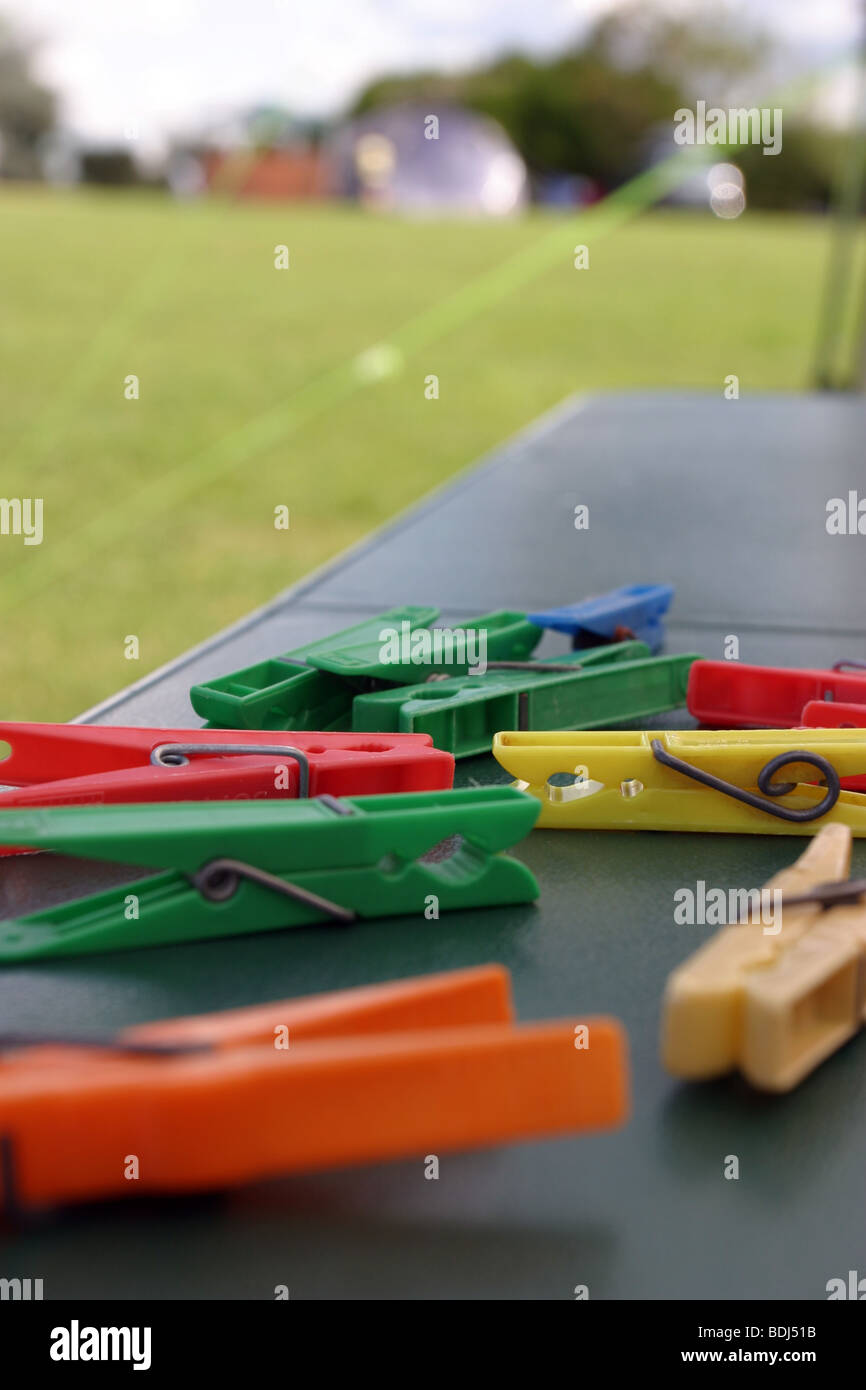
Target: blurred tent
pixel 260 152
pixel 412 159
pixel 283 173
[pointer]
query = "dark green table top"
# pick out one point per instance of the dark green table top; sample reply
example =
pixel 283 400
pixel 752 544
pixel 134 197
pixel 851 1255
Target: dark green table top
pixel 727 500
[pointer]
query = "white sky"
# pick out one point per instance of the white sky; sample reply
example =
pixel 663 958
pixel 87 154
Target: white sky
pixel 164 67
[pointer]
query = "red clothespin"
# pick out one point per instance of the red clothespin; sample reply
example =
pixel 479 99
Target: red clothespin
pixel 729 695
pixel 77 764
pixel 833 714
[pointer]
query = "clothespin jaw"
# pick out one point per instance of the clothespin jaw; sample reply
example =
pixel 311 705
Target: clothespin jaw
pixel 77 764
pixel 409 1068
pixel 773 1000
pixel 734 696
pixel 587 689
pixel 266 864
pixel 738 781
pixel 291 691
pixel 637 610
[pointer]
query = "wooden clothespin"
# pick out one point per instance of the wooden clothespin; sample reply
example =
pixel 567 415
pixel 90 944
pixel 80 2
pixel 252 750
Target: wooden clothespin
pixel 775 1002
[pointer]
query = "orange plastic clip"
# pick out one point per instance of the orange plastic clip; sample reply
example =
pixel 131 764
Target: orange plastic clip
pixel 419 1066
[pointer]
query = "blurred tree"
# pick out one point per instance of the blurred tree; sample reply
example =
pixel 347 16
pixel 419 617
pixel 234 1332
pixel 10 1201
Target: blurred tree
pixel 576 115
pixel 803 177
pixel 598 108
pixel 27 109
pixel 706 56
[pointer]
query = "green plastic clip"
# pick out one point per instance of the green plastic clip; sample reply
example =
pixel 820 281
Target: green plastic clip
pixel 312 687
pixel 291 691
pixel 409 656
pixel 236 868
pixel 607 686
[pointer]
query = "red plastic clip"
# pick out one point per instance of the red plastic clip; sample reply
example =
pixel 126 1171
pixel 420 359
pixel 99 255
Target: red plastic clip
pixel 729 695
pixel 834 714
pixel 77 764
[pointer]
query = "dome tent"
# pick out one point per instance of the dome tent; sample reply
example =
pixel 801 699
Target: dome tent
pixel 415 160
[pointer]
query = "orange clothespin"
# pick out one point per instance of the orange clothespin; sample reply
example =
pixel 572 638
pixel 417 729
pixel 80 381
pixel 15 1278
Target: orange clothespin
pixel 414 1067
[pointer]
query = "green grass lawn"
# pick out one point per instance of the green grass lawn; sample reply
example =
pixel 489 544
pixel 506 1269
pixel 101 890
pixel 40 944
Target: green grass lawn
pixel 158 513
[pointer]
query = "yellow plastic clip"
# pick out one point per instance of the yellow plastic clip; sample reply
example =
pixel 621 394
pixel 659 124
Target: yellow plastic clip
pixel 716 780
pixel 774 1004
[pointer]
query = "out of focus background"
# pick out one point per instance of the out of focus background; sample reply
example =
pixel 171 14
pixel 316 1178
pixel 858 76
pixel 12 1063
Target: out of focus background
pixel 271 271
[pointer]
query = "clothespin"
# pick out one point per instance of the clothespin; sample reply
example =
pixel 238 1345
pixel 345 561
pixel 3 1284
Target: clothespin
pixel 723 780
pixel 313 686
pixel 837 714
pixel 734 696
pixel 255 866
pixel 411 1068
pixel 776 1003
pixel 291 691
pixel 77 764
pixel 414 654
pixel 637 610
pixel 588 689
pixel 834 714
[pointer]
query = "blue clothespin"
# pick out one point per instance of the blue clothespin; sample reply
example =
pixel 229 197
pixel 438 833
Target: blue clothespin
pixel 635 611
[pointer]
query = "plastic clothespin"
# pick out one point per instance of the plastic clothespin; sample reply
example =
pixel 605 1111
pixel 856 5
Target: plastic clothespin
pixel 837 714
pixel 291 690
pixel 588 689
pixel 388 1071
pixel 71 764
pixel 76 764
pixel 637 610
pixel 775 1004
pixel 314 686
pixel 255 866
pixel 734 696
pixel 834 714
pixel 506 636
pixel 742 781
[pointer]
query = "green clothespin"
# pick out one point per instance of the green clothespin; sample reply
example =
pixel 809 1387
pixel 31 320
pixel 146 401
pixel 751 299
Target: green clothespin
pixel 313 686
pixel 591 689
pixel 292 691
pixel 410 656
pixel 233 868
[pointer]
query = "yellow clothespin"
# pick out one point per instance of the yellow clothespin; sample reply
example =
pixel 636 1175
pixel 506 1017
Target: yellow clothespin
pixel 717 780
pixel 776 1003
